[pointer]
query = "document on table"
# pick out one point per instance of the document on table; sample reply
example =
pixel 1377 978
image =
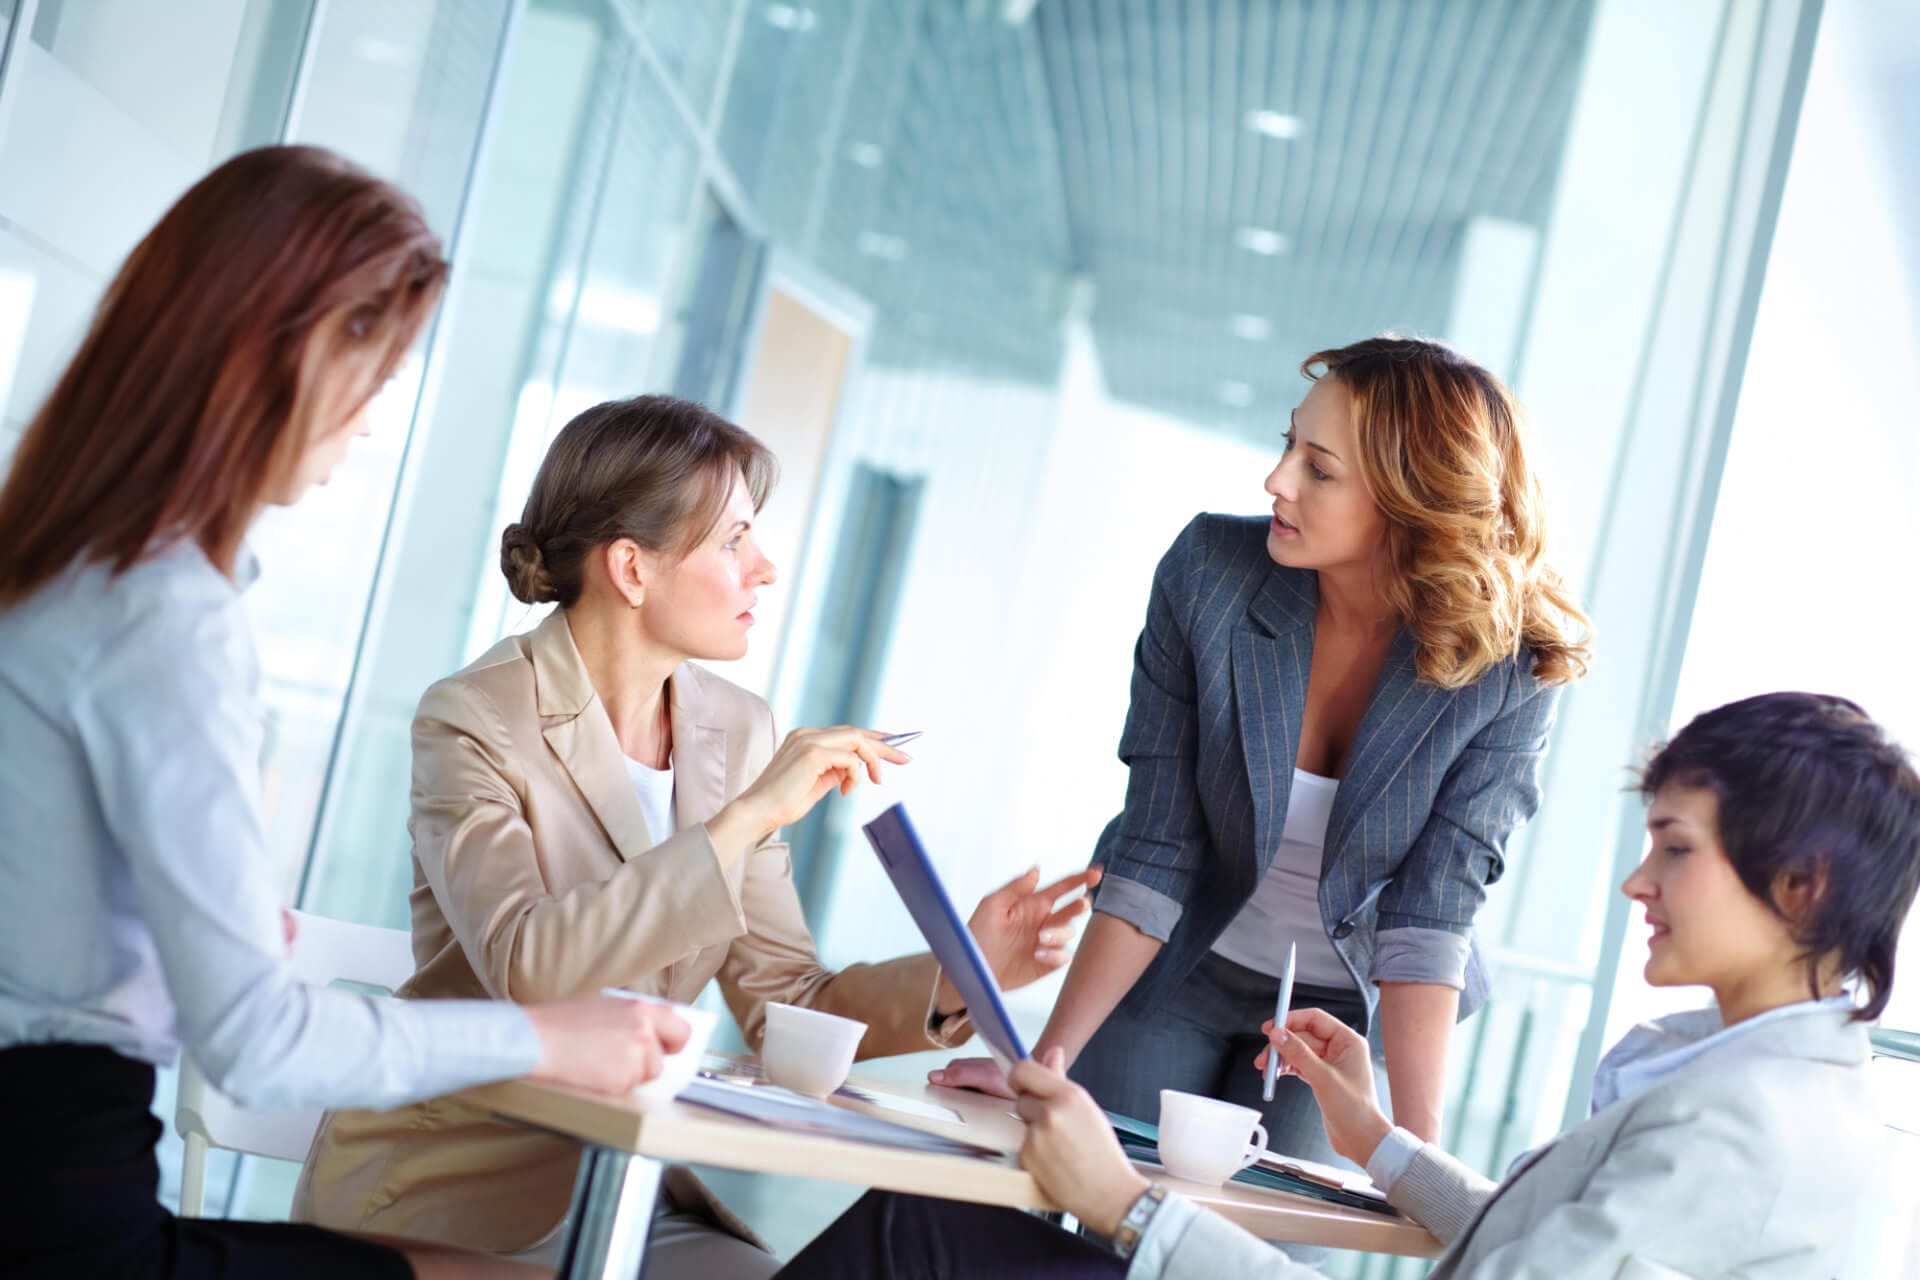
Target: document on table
pixel 797 1113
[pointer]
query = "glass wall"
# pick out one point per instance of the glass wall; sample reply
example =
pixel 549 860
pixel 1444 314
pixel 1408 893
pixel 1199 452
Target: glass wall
pixel 1077 251
pixel 1815 509
pixel 561 303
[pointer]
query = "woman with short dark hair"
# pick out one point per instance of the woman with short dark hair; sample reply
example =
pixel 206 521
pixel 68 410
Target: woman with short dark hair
pixel 1739 1139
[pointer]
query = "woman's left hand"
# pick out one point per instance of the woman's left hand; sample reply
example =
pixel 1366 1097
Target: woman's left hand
pixel 1021 932
pixel 1070 1149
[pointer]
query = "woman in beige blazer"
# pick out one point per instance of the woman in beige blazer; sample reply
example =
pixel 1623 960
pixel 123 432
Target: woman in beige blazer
pixel 538 873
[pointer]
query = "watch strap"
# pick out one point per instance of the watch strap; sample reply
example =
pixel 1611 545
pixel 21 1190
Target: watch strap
pixel 1126 1237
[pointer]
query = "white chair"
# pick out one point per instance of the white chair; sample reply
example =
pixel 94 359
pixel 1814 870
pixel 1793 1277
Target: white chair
pixel 1886 1237
pixel 324 951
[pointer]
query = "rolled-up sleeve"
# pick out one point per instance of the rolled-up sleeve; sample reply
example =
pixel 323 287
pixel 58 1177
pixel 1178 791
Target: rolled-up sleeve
pixel 1150 911
pixel 1489 790
pixel 1422 955
pixel 1153 850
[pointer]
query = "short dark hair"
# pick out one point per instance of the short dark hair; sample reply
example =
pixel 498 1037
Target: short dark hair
pixel 654 469
pixel 1810 785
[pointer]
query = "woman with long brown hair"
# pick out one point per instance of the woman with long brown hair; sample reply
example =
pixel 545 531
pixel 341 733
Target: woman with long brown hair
pixel 1338 712
pixel 228 367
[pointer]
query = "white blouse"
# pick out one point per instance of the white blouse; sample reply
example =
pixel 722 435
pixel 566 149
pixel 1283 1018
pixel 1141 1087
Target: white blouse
pixel 138 907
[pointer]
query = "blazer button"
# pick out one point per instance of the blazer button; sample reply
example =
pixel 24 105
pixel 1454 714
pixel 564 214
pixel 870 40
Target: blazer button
pixel 1343 930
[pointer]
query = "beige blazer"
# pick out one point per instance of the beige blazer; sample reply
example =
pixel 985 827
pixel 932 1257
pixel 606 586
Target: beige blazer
pixel 535 878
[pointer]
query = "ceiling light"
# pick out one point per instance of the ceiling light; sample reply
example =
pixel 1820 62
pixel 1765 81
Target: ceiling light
pixel 1237 395
pixel 1015 12
pixel 1252 328
pixel 866 155
pixel 1260 240
pixel 791 17
pixel 1273 124
pixel 877 244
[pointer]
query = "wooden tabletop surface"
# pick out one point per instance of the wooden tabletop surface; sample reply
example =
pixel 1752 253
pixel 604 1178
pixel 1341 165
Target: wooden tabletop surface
pixel 686 1134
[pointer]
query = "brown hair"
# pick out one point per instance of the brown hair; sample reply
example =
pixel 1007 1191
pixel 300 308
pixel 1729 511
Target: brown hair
pixel 1442 454
pixel 653 469
pixel 210 359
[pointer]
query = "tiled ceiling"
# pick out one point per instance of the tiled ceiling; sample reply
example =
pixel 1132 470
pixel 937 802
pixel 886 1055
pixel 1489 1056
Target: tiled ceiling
pixel 978 166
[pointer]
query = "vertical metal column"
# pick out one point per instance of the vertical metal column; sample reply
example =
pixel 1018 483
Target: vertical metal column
pixel 612 1214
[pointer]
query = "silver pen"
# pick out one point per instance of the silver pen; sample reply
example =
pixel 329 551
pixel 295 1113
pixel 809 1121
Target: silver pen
pixel 1279 1020
pixel 901 739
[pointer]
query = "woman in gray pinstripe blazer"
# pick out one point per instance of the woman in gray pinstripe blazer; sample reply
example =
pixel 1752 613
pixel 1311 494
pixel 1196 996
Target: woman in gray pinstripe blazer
pixel 1337 716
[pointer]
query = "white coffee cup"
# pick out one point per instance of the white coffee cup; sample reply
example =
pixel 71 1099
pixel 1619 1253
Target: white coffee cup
pixel 1207 1140
pixel 680 1067
pixel 808 1051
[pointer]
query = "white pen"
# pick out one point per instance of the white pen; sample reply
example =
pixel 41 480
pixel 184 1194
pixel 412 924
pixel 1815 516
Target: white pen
pixel 1279 1020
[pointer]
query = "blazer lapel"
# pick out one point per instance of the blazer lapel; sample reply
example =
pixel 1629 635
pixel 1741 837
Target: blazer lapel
pixel 575 725
pixel 1399 715
pixel 700 750
pixel 1272 654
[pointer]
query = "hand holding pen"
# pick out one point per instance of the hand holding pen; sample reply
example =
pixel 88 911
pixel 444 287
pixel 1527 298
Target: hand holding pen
pixel 806 766
pixel 1334 1061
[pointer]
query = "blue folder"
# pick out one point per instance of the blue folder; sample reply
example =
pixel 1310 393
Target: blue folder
pixel 918 884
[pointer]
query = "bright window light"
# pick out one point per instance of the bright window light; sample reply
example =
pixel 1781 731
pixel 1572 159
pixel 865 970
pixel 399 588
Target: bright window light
pixel 1236 395
pixel 866 154
pixel 612 307
pixel 1251 327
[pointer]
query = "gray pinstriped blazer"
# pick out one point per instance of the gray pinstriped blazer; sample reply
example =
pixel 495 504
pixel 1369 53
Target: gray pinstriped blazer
pixel 1437 780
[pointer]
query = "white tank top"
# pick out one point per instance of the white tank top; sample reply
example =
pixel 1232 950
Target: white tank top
pixel 1285 906
pixel 655 789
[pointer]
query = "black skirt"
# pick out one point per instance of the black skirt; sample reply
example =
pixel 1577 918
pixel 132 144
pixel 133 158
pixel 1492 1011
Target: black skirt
pixel 79 1187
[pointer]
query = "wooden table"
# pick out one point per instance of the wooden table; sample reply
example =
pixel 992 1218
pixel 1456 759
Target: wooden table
pixel 626 1141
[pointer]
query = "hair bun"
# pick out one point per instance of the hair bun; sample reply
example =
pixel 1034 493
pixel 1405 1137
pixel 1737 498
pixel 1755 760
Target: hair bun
pixel 525 568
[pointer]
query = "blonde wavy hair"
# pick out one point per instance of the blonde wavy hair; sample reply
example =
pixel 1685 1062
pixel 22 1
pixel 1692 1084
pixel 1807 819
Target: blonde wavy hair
pixel 1442 455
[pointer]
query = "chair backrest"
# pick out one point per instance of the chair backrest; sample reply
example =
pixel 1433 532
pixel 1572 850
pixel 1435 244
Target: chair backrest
pixel 1886 1236
pixel 324 951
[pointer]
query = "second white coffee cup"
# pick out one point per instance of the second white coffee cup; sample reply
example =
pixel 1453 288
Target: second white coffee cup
pixel 808 1051
pixel 1207 1140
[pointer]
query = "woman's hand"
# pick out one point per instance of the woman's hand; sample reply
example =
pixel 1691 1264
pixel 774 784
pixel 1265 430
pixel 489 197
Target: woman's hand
pixel 983 1075
pixel 810 763
pixel 604 1043
pixel 1070 1149
pixel 1022 931
pixel 1333 1059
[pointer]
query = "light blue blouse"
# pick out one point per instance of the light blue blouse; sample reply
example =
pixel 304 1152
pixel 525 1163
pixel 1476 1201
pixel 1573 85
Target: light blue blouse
pixel 138 907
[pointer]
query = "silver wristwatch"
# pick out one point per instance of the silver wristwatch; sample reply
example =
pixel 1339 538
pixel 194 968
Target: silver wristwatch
pixel 1126 1236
